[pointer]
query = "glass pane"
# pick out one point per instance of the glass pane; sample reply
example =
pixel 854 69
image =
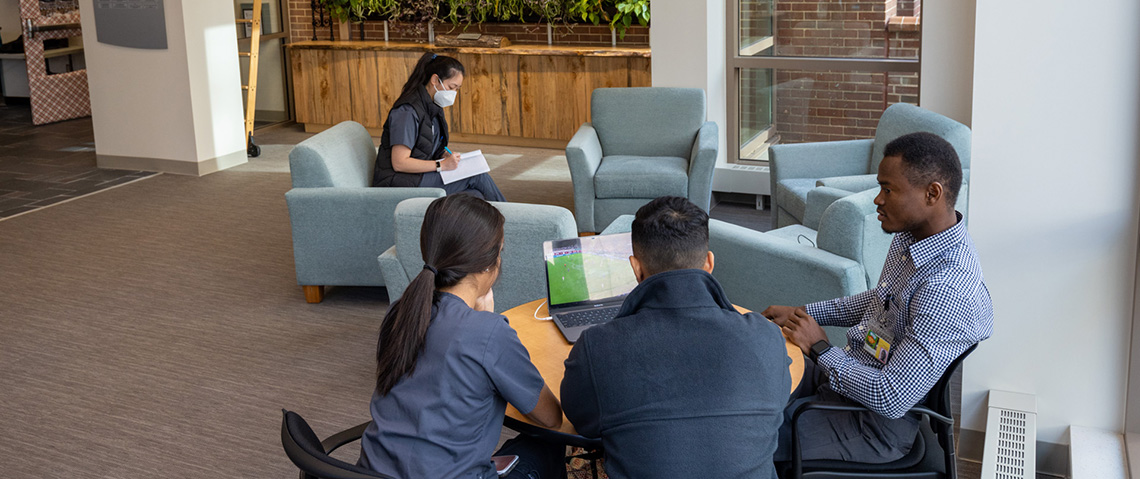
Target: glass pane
pixel 755 111
pixel 757 27
pixel 827 28
pixel 271 21
pixel 800 106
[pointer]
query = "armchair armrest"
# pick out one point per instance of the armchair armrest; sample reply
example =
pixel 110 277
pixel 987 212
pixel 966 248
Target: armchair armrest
pixel 851 183
pixel 702 162
pixel 396 278
pixel 818 199
pixel 339 232
pixel 584 156
pixel 819 160
pixel 759 270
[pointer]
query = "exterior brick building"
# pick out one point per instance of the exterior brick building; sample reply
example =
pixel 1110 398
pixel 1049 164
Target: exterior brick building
pixel 808 106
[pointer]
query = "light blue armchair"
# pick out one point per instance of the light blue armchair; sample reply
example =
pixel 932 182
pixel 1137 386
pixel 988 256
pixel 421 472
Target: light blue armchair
pixel 642 143
pixel 523 276
pixel 796 265
pixel 340 223
pixel 852 165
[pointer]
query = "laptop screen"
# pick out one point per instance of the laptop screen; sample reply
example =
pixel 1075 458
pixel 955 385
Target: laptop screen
pixel 588 269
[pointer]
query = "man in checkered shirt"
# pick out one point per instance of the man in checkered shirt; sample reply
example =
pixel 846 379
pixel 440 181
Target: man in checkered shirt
pixel 930 305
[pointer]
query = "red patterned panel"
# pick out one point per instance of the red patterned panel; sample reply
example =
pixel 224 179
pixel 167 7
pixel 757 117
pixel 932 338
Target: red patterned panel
pixel 54 97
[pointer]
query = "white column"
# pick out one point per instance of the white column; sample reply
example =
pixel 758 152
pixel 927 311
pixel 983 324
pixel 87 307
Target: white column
pixel 687 38
pixel 177 110
pixel 947 74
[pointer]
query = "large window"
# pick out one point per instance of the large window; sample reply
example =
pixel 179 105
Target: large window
pixel 816 70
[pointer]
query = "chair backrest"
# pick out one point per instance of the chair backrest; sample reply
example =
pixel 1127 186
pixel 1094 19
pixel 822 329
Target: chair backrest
pixel 650 121
pixel 523 270
pixel 903 118
pixel 938 399
pixel 304 449
pixel 850 228
pixel 341 156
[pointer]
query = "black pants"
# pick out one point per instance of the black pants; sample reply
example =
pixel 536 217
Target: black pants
pixel 865 437
pixel 480 185
pixel 538 459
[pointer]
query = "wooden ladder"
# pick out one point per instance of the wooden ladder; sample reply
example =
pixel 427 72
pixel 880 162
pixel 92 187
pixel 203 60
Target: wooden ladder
pixel 250 89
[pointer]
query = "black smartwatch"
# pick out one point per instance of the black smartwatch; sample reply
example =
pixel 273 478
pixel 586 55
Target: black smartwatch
pixel 438 166
pixel 817 349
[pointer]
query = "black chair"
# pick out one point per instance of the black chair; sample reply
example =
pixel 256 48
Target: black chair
pixel 931 457
pixel 311 455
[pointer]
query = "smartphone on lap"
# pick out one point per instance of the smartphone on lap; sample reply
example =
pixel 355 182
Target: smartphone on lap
pixel 504 464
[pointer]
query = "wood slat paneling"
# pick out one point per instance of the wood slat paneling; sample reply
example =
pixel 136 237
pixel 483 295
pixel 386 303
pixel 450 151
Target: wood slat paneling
pixel 506 96
pixel 365 70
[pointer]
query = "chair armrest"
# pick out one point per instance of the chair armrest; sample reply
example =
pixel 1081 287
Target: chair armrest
pixel 758 270
pixel 396 278
pixel 346 436
pixel 702 162
pixel 819 160
pixel 852 184
pixel 818 199
pixel 339 232
pixel 584 156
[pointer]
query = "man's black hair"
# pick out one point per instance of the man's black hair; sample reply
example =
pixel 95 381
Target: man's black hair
pixel 929 158
pixel 670 233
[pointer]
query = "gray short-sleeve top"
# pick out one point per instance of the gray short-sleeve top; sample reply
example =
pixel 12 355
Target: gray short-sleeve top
pixel 404 128
pixel 443 420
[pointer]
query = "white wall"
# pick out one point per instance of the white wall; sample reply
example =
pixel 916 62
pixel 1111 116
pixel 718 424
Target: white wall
pixel 179 104
pixel 947 75
pixel 9 20
pixel 1053 206
pixel 215 78
pixel 688 43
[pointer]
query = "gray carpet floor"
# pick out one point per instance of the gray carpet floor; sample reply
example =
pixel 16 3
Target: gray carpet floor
pixel 156 329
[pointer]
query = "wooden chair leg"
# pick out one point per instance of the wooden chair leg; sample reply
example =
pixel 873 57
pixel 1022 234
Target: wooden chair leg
pixel 314 294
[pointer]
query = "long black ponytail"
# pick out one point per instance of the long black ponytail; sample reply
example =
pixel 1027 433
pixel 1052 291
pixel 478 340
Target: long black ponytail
pixel 461 235
pixel 432 64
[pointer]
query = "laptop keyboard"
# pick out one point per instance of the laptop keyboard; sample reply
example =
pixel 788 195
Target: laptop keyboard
pixel 587 317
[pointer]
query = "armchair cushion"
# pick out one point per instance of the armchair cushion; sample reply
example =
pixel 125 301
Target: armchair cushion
pixel 622 176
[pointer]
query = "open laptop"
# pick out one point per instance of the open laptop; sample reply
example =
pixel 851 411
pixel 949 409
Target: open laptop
pixel 586 280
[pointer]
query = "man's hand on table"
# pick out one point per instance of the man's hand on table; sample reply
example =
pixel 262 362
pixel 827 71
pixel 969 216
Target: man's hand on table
pixel 798 326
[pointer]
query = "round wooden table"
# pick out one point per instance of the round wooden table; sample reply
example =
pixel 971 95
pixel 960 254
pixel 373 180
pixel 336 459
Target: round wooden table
pixel 548 351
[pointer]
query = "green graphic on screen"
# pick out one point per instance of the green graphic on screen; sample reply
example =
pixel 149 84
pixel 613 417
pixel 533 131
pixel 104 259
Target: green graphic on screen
pixel 589 269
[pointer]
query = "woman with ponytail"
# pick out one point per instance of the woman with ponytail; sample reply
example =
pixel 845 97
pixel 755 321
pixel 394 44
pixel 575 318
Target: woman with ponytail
pixel 447 365
pixel 413 147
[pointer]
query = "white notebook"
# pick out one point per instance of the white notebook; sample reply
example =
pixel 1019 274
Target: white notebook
pixel 470 164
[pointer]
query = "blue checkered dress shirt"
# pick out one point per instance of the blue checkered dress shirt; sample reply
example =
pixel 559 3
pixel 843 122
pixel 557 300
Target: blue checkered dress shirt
pixel 940 306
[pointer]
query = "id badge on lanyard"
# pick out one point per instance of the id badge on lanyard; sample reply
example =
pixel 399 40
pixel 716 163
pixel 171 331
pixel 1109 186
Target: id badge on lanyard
pixel 880 333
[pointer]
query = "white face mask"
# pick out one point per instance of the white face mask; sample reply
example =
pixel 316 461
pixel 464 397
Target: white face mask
pixel 444 98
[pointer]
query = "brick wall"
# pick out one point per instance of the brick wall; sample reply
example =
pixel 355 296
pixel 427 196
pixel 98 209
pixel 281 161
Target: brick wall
pixel 809 106
pixel 301 29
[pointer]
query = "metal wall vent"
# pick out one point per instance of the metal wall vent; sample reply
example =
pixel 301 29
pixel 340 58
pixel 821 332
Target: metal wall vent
pixel 1011 437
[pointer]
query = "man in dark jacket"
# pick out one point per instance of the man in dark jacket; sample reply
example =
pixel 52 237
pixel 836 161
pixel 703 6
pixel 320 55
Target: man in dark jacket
pixel 679 384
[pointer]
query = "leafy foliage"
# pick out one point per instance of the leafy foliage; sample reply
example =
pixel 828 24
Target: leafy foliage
pixel 619 14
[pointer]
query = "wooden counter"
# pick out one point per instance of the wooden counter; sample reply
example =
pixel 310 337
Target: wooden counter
pixel 525 95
